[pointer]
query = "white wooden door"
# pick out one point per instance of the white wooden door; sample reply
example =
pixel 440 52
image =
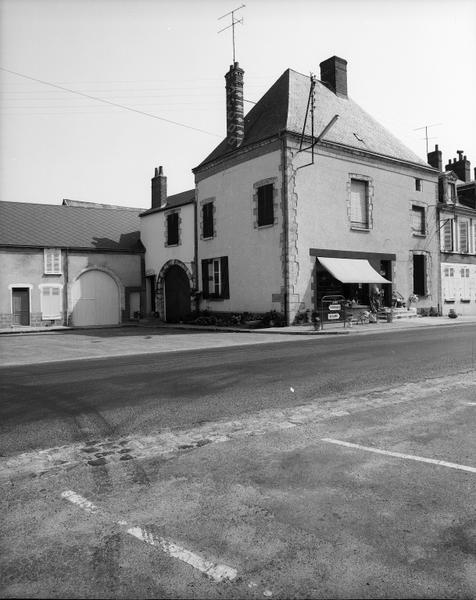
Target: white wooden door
pixel 95 298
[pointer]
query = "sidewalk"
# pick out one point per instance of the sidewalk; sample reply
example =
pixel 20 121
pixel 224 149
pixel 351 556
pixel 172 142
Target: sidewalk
pixel 304 329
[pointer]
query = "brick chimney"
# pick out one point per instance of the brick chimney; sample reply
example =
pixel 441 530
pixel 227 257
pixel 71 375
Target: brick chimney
pixel 159 189
pixel 334 75
pixel 461 166
pixel 235 128
pixel 435 158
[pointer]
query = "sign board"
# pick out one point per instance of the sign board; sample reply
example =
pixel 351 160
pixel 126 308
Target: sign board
pixel 333 316
pixel 334 307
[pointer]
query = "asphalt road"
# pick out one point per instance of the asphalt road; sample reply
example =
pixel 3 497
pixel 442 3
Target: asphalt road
pixel 331 468
pixel 77 400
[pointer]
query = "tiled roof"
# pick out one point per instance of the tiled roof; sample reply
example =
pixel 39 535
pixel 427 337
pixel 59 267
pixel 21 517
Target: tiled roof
pixel 46 225
pixel 283 108
pixel 173 201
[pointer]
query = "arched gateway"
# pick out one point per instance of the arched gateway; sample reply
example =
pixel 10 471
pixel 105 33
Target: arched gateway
pixel 173 289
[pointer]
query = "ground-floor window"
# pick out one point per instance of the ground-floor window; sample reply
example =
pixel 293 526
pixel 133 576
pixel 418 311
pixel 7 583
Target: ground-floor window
pixel 51 301
pixel 215 278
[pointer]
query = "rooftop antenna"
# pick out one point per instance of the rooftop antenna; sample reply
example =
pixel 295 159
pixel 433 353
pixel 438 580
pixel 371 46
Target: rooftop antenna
pixel 233 23
pixel 425 127
pixel 311 107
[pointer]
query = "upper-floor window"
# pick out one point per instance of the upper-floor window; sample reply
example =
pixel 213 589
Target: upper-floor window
pixel 172 229
pixel 265 205
pixel 359 204
pixel 463 236
pixel 418 220
pixel 446 228
pixel 52 261
pixel 207 220
pixel 215 282
pixel 418 185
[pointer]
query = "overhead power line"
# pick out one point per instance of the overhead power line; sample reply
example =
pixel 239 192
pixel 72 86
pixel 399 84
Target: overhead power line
pixel 64 89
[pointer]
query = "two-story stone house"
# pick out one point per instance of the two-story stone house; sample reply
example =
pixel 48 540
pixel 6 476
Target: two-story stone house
pixel 308 195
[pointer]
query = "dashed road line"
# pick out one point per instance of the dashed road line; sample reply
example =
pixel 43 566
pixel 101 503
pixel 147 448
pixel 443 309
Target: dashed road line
pixel 216 571
pixel 440 463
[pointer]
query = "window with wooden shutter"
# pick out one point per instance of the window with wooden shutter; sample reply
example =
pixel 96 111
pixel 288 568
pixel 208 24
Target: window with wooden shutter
pixel 172 229
pixel 265 205
pixel 418 220
pixel 207 219
pixel 215 279
pixel 52 261
pixel 51 301
pixel 463 236
pixel 447 235
pixel 359 204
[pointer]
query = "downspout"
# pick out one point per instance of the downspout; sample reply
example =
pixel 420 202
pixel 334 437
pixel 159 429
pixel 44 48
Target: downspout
pixel 65 287
pixel 195 251
pixel 284 200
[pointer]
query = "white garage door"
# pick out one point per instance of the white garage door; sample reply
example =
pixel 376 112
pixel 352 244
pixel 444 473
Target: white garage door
pixel 95 298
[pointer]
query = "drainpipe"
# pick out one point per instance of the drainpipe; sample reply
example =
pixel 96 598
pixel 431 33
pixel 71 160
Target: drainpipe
pixel 65 287
pixel 284 198
pixel 195 250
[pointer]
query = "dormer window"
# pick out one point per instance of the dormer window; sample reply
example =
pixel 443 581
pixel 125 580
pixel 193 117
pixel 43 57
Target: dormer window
pixel 451 192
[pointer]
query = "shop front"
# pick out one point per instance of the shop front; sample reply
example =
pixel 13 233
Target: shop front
pixel 363 279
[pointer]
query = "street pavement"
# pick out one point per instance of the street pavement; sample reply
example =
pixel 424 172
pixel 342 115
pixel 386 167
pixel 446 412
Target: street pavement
pixel 322 472
pixel 30 346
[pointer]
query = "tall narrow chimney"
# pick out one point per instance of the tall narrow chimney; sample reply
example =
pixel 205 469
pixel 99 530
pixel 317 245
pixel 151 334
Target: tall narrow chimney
pixel 435 158
pixel 461 166
pixel 235 128
pixel 159 189
pixel 334 75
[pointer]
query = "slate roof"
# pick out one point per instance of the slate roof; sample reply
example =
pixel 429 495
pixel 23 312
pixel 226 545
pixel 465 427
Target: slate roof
pixel 46 225
pixel 173 201
pixel 283 108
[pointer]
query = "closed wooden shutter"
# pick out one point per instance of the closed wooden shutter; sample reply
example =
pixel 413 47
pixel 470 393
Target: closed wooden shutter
pixel 447 237
pixel 463 236
pixel 265 205
pixel 207 215
pixel 359 210
pixel 225 283
pixel 205 277
pixel 172 229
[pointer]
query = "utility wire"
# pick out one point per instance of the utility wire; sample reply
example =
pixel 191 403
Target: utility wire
pixel 107 102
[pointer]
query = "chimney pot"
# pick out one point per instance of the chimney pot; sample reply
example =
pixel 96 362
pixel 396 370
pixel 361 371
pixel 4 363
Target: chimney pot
pixel 159 188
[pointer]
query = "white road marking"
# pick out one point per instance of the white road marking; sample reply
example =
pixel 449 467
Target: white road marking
pixel 216 571
pixel 80 501
pixel 432 461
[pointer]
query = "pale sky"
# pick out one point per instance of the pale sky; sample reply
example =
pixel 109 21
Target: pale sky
pixel 411 63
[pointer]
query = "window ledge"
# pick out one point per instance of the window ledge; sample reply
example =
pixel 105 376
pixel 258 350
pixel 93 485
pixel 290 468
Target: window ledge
pixel 447 301
pixel 171 245
pixel 363 229
pixel 420 235
pixel 54 274
pixel 265 226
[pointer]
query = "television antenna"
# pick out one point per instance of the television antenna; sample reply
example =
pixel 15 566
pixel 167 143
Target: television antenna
pixel 425 127
pixel 233 23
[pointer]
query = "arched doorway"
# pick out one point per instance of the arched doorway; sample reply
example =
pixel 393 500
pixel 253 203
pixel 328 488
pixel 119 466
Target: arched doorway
pixel 95 298
pixel 177 294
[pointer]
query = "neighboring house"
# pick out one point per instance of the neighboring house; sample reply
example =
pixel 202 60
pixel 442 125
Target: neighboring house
pixel 74 264
pixel 457 224
pixel 297 203
pixel 167 232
